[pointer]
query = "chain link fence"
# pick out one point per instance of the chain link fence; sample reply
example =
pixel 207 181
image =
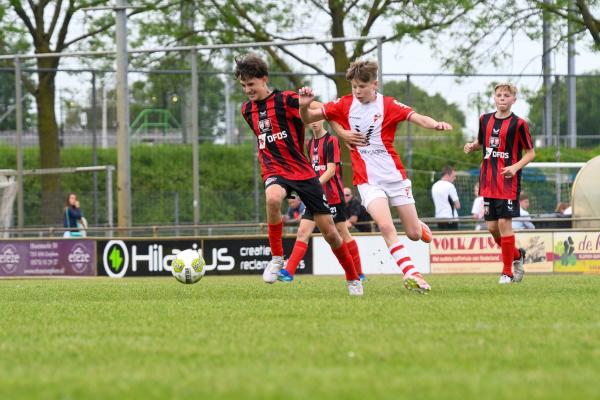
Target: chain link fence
pixel 230 184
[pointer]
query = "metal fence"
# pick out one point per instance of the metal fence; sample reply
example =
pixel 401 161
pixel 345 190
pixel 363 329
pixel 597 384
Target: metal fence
pixel 160 104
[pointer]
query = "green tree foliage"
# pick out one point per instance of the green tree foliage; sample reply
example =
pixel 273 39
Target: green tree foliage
pixel 433 105
pixel 587 105
pixel 487 38
pixel 171 91
pixel 45 26
pixel 234 21
pixel 226 180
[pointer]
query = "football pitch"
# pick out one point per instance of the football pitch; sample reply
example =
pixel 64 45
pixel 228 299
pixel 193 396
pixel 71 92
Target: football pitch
pixel 236 337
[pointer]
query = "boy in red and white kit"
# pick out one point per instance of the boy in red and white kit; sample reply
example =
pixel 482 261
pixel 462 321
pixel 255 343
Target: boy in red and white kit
pixel 503 136
pixel 324 155
pixel 369 121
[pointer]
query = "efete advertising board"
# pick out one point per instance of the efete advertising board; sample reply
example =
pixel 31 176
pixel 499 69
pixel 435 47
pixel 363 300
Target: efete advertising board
pixel 68 257
pixel 479 253
pixel 131 257
pixel 374 254
pixel 577 252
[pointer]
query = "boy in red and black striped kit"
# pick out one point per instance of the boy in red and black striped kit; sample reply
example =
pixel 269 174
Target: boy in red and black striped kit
pixel 507 148
pixel 274 117
pixel 324 154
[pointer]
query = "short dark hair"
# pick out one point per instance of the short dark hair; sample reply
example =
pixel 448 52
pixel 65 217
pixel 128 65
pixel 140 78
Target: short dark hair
pixel 447 170
pixel 523 196
pixel 250 66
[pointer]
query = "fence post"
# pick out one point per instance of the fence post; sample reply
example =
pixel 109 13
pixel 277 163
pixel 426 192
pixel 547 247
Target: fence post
pixel 123 150
pixel 94 149
pixel 557 184
pixel 547 71
pixel 380 62
pixel 109 198
pixel 195 144
pixel 19 117
pixel 571 90
pixel 256 178
pixel 176 205
pixel 409 144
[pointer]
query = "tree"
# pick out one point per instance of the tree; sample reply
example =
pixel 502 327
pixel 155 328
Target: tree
pixel 7 82
pixel 587 104
pixel 237 21
pixel 582 16
pixel 487 37
pixel 51 35
pixel 433 105
pixel 169 91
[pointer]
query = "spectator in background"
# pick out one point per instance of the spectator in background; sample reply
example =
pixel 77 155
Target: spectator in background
pixel 355 213
pixel 445 198
pixel 524 221
pixel 294 211
pixel 477 209
pixel 563 209
pixel 73 218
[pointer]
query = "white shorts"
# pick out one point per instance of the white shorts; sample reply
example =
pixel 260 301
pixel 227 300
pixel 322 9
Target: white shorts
pixel 398 193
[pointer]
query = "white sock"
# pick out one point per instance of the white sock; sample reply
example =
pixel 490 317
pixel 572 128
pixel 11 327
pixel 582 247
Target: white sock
pixel 402 259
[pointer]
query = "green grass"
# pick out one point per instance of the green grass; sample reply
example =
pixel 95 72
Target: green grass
pixel 239 338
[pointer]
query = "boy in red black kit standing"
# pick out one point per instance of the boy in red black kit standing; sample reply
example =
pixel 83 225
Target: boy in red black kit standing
pixel 507 148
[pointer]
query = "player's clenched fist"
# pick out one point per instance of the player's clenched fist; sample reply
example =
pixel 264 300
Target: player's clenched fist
pixel 306 96
pixel 443 126
pixel 469 147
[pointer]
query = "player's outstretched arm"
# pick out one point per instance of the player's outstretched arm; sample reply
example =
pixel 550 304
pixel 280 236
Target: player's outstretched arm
pixel 429 123
pixel 471 146
pixel 510 171
pixel 349 137
pixel 308 115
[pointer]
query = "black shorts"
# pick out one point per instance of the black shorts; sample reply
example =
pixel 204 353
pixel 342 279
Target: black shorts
pixel 338 211
pixel 310 192
pixel 494 209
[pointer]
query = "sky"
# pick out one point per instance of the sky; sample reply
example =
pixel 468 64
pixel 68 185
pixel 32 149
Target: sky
pixel 410 57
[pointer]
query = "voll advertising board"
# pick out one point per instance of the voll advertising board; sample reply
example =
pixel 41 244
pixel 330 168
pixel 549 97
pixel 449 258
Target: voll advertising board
pixel 478 252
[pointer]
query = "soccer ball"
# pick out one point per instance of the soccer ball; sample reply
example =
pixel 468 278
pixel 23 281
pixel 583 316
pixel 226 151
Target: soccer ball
pixel 188 266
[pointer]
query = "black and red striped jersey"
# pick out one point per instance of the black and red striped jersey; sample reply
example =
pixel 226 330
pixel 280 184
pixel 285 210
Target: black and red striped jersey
pixel 502 141
pixel 279 132
pixel 322 151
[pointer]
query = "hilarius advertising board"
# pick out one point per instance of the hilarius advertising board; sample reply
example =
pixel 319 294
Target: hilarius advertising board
pixel 227 256
pixel 479 253
pixel 577 252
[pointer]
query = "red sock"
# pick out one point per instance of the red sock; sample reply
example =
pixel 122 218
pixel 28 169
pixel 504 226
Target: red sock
pixel 344 257
pixel 353 249
pixel 516 252
pixel 508 246
pixel 297 255
pixel 275 233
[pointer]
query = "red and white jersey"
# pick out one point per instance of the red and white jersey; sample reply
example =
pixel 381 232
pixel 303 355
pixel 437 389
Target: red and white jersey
pixel 377 162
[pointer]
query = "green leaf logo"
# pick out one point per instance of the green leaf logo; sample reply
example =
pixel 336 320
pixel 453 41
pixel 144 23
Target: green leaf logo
pixel 116 259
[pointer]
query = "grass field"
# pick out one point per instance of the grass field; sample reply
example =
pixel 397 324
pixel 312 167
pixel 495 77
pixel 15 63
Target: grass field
pixel 239 338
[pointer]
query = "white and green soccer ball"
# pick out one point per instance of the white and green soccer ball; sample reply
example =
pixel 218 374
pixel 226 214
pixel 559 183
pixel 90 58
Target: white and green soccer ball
pixel 188 266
